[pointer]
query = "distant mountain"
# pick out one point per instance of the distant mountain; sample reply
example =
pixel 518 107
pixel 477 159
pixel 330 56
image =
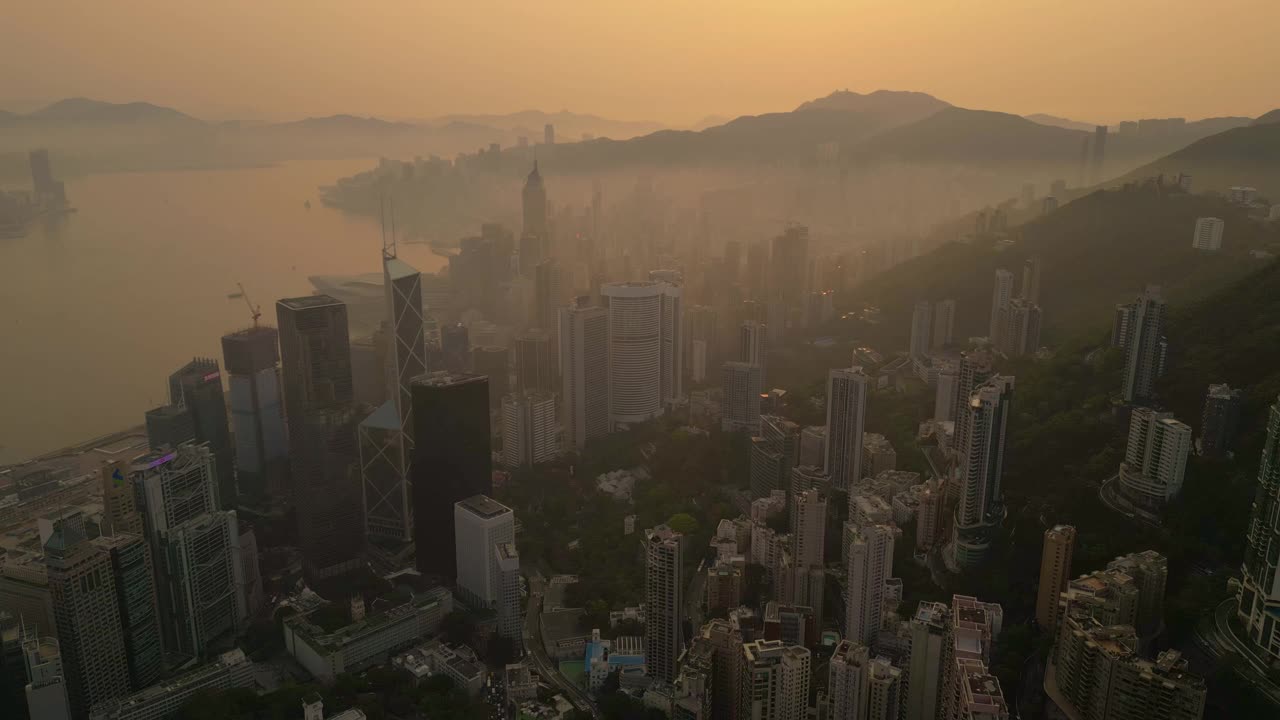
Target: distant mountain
pixel 710 121
pixel 1095 252
pixel 1241 156
pixel 978 138
pixel 342 123
pixel 1055 121
pixel 86 112
pixel 1268 118
pixel 906 106
pixel 569 126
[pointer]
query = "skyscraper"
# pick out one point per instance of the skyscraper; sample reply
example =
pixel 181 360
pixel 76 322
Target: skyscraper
pixel 584 383
pixel 644 349
pixel 534 204
pixel 869 554
pixel 700 325
pixel 1001 294
pixel 548 294
pixel 87 611
pixel 385 437
pixel 1219 419
pixel 1020 334
pixel 1031 281
pixel 529 429
pixel 740 397
pixel 773 453
pixel 1259 595
pixel 169 426
pixel 921 335
pixel 535 369
pixel 789 266
pixel 134 581
pixel 481 524
pixel 315 355
pixel 1142 336
pixel 981 504
pixel 388 511
pixel 753 346
pixel 774 681
pixel 1055 573
pixel 861 687
pixel 451 461
pixel 664 601
pixel 492 361
pixel 944 323
pixel 510 621
pixel 455 347
pixel 924 671
pixel 197 387
pixel 252 361
pixel 846 410
pixel 195 549
pixel 1155 458
pixel 808 537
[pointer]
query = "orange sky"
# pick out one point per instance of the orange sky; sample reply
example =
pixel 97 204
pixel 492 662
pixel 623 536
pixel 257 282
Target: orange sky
pixel 663 60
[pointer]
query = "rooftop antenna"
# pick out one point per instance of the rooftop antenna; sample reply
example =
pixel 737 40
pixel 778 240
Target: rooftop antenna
pixel 393 227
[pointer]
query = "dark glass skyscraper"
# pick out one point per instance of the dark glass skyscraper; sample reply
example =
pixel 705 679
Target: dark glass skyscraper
pixel 197 387
pixel 252 361
pixel 534 370
pixel 451 461
pixel 315 355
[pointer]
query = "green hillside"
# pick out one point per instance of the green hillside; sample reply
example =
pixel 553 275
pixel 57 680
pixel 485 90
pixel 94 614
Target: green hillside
pixel 1095 252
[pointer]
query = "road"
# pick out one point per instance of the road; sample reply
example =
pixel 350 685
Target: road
pixel 1220 639
pixel 546 667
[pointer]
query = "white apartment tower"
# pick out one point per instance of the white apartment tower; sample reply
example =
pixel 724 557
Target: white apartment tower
pixel 1155 458
pixel 1208 235
pixel 846 411
pixel 584 383
pixel 980 509
pixel 1001 294
pixel 664 601
pixel 869 551
pixel 645 354
pixel 774 681
pixel 860 687
pixel 921 334
pixel 481 524
pixel 1141 328
pixel 753 345
pixel 530 432
pixel 944 323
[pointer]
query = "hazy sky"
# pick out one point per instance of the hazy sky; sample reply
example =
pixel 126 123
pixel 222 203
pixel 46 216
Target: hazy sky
pixel 665 60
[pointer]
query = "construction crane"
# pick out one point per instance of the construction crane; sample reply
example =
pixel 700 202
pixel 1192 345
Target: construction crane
pixel 254 310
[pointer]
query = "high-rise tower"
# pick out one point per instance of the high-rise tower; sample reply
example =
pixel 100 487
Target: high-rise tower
pixel 1259 596
pixel 584 383
pixel 197 388
pixel 1141 325
pixel 980 509
pixel 664 601
pixel 452 461
pixel 252 361
pixel 846 411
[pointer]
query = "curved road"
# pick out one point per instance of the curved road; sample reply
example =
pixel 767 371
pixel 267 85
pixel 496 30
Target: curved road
pixel 1224 640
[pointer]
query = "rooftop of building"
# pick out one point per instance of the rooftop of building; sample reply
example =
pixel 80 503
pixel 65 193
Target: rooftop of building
pixel 386 417
pixel 251 333
pixel 444 378
pixel 398 269
pixel 308 302
pixel 483 506
pixel 507 551
pixel 371 623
